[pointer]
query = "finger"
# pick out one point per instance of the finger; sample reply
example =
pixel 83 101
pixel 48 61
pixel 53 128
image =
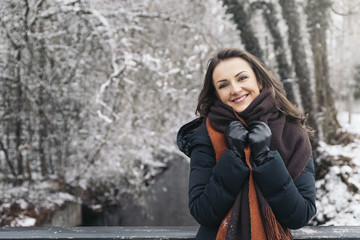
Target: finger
pixel 257 123
pixel 258 126
pixel 237 124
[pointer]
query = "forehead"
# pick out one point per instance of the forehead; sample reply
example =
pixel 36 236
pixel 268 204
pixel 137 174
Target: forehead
pixel 230 67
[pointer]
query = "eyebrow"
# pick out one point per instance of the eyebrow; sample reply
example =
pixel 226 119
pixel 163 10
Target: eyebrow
pixel 223 80
pixel 239 73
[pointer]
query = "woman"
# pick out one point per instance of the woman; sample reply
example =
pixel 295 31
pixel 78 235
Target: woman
pixel 252 173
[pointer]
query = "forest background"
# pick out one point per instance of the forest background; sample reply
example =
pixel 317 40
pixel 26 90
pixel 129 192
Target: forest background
pixel 92 93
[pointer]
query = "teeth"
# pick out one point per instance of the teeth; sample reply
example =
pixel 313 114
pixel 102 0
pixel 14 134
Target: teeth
pixel 238 100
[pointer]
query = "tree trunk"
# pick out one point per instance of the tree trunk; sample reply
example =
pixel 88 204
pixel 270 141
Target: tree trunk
pixel 42 133
pixel 42 105
pixel 291 16
pixel 14 107
pixel 18 117
pixel 284 70
pixel 7 159
pixel 317 22
pixel 241 19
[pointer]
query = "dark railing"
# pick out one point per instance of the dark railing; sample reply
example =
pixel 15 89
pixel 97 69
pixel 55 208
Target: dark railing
pixel 158 233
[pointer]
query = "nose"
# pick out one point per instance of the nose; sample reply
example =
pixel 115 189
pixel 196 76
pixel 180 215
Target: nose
pixel 235 88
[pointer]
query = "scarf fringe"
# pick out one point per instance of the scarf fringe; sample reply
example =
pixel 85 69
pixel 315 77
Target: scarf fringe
pixel 273 228
pixel 221 234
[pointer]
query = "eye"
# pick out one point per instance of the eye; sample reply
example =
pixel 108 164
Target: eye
pixel 223 85
pixel 242 78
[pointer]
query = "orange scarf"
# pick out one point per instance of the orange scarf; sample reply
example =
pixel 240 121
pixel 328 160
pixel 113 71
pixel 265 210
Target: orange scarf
pixel 263 224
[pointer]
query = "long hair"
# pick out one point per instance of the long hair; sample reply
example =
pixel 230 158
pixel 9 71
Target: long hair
pixel 208 96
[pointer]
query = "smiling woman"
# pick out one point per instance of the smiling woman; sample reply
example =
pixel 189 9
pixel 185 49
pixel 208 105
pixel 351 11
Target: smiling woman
pixel 252 173
pixel 235 83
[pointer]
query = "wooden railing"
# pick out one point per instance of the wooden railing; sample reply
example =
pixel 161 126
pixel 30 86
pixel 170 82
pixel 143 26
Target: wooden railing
pixel 158 233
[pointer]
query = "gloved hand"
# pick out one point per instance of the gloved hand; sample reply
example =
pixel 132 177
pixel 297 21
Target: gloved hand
pixel 259 141
pixel 236 138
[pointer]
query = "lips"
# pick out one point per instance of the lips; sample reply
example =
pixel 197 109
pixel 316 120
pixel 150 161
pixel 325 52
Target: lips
pixel 240 98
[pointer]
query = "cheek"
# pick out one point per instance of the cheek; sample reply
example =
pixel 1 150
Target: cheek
pixel 218 94
pixel 258 90
pixel 222 95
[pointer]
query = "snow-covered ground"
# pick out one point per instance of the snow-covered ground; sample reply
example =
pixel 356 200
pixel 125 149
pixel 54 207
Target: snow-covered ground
pixel 338 194
pixel 30 204
pixel 354 125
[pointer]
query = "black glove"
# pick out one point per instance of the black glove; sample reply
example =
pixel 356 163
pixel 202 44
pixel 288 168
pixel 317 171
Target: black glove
pixel 236 138
pixel 259 141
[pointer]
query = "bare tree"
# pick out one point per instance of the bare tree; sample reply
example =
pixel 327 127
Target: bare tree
pixel 284 69
pixel 292 18
pixel 13 95
pixel 317 23
pixel 104 85
pixel 242 18
pixel 44 55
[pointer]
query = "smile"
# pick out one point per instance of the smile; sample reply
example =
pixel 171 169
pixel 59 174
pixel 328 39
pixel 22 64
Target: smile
pixel 240 99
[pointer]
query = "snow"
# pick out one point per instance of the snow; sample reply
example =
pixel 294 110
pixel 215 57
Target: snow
pixel 23 204
pixel 338 203
pixel 23 221
pixel 137 82
pixel 354 125
pixel 20 206
pixel 127 90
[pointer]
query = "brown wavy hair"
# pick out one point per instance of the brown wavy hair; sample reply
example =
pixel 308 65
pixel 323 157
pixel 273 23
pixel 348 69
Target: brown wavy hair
pixel 208 96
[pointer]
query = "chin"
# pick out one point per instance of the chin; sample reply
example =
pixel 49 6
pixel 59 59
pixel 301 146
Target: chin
pixel 239 109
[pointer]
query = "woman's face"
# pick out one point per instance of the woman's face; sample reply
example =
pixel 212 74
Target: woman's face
pixel 235 83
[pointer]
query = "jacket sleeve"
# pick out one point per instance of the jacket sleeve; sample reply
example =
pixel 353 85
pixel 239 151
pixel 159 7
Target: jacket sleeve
pixel 213 187
pixel 293 202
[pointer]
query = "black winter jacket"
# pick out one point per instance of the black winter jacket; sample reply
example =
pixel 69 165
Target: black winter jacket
pixel 213 187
